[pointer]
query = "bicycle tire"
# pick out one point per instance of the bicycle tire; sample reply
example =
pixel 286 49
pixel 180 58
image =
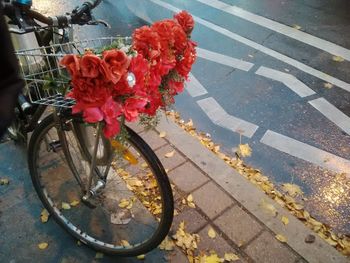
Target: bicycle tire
pixel 154 164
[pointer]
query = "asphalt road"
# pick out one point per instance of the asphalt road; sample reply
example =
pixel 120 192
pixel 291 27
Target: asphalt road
pixel 266 70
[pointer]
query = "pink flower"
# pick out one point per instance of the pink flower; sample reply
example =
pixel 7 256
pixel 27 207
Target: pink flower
pixel 92 115
pixel 111 111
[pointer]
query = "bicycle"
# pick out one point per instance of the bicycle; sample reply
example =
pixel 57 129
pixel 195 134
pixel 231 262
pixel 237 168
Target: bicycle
pixel 114 197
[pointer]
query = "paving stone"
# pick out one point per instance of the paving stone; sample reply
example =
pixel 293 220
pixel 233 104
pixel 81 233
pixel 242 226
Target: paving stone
pixel 193 220
pixel 135 126
pixel 177 256
pixel 152 139
pixel 267 249
pixel 217 244
pixel 211 199
pixel 172 162
pixel 238 225
pixel 187 177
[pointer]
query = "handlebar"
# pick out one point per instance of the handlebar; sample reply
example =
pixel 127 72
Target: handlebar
pixel 80 16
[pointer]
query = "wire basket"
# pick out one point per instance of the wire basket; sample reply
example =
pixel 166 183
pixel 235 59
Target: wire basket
pixel 46 80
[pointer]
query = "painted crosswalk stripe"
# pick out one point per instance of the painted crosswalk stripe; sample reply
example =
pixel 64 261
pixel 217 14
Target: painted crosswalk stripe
pixel 288 31
pixel 287 79
pixel 307 69
pixel 194 87
pixel 332 113
pixel 221 118
pixel 306 152
pixel 224 60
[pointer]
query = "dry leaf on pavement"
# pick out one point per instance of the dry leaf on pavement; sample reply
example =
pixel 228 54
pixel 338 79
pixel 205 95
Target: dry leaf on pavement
pixel 141 257
pixel 169 154
pixel 268 208
pixel 99 255
pixel 328 85
pixel 4 181
pixel 281 238
pixel 297 27
pixel 211 233
pixel 162 134
pixel 74 203
pixel 337 58
pixel 43 245
pixel 285 220
pixel 167 244
pixel 44 216
pixel 231 257
pixel 292 189
pixel 244 150
pixel 65 206
pixel 124 243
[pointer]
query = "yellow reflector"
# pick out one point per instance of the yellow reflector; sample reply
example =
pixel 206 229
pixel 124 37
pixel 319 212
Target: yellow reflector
pixel 127 155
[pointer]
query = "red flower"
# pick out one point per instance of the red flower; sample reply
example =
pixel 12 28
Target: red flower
pixel 118 62
pixel 90 65
pixel 132 108
pixel 111 130
pixel 71 62
pixel 186 21
pixel 146 42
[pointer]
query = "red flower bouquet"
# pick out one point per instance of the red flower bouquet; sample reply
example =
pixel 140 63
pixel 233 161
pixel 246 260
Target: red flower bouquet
pixel 141 80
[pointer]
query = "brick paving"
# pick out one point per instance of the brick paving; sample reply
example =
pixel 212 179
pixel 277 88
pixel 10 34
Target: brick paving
pixel 224 202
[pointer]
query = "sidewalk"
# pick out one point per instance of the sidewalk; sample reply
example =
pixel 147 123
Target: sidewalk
pixel 225 201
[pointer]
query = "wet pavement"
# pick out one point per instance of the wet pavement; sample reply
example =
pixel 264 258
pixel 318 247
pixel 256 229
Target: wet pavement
pixel 266 103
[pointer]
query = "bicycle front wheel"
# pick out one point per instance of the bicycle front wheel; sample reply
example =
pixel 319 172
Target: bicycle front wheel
pixel 129 216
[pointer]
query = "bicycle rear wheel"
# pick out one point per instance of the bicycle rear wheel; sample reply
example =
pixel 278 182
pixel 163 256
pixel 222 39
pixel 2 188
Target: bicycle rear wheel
pixel 133 212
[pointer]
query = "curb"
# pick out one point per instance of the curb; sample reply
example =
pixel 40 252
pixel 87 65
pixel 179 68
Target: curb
pixel 249 196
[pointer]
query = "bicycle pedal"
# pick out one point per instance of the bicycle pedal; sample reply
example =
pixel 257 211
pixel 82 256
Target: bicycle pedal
pixel 89 202
pixel 55 146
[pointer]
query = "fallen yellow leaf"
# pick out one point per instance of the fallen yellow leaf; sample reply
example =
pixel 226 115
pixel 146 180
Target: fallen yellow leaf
pixel 285 220
pixel 141 257
pixel 297 27
pixel 65 206
pixel 43 245
pixel 44 216
pixel 75 203
pixel 189 198
pixel 338 58
pixel 4 181
pixel 124 203
pixel 162 134
pixel 167 244
pixel 211 233
pixel 231 257
pixel 124 243
pixel 268 208
pixel 213 258
pixel 244 150
pixel 328 85
pixel 292 189
pixel 99 255
pixel 169 154
pixel 281 238
pixel 144 165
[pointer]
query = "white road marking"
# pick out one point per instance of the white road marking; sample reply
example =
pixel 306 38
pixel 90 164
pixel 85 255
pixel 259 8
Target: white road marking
pixel 194 87
pixel 268 51
pixel 306 152
pixel 288 31
pixel 224 60
pixel 221 118
pixel 287 79
pixel 332 113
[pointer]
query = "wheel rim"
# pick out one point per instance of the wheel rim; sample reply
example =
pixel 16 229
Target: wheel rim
pixel 124 221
